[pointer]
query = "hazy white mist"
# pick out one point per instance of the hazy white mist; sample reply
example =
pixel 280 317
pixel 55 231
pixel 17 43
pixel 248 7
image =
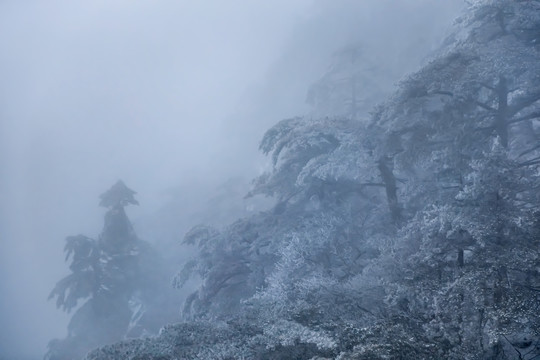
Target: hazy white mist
pixel 164 95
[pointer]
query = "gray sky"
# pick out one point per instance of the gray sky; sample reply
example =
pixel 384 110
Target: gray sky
pixel 158 93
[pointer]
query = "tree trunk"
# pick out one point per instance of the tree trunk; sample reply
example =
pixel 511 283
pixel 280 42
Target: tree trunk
pixel 389 181
pixel 499 286
pixel 501 118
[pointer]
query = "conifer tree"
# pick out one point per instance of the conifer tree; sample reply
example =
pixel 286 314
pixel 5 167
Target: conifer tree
pixel 110 275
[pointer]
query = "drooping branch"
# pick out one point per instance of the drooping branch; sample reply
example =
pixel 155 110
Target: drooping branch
pixel 531 116
pixel 529 151
pixel 523 102
pixel 530 162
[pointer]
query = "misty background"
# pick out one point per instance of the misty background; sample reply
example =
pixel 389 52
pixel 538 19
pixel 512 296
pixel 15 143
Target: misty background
pixel 172 97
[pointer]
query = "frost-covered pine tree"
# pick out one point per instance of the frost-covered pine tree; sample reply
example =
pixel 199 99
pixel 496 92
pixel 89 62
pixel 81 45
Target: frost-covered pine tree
pixel 484 83
pixel 462 134
pixel 413 236
pixel 115 277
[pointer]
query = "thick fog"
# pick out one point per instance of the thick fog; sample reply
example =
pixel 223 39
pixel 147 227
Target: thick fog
pixel 169 96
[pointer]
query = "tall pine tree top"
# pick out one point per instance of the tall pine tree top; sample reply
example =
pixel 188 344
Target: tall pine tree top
pixel 118 195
